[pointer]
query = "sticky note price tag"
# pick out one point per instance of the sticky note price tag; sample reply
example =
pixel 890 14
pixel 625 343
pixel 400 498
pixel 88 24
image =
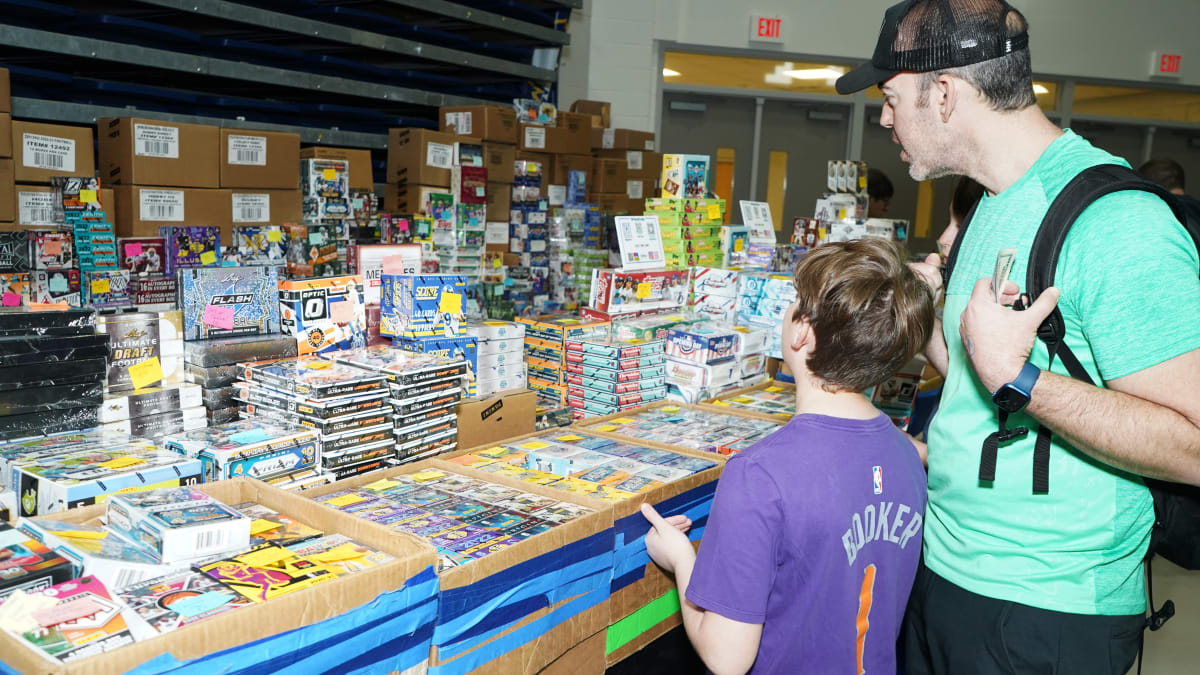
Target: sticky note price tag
pixel 644 289
pixel 670 409
pixel 497 262
pixel 724 404
pixel 380 485
pixel 607 427
pixel 329 174
pixel 146 373
pixel 11 299
pixel 494 452
pixel 742 399
pixel 569 437
pixel 121 462
pixel 82 534
pixel 318 365
pixel 623 420
pixel 52 245
pixel 714 211
pixel 450 303
pixel 340 553
pixel 100 286
pixel 345 500
pixel 260 525
pixel 133 250
pixel 88 197
pixel 535 445
pixel 773 389
pixel 208 258
pixel 426 476
pixel 739 245
pixel 274 236
pixel 341 312
pixel 219 316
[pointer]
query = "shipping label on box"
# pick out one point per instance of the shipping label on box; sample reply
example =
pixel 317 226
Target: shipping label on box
pixel 229 301
pixel 324 314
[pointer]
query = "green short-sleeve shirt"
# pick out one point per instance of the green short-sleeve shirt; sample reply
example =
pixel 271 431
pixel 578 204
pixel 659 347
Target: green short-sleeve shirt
pixel 1130 298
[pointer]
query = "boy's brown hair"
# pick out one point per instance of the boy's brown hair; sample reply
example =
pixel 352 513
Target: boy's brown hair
pixel 869 312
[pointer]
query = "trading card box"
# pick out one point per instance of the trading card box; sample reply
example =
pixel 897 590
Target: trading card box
pixel 97 551
pixel 152 599
pixel 421 417
pixel 693 374
pixel 618 292
pixel 151 293
pixel 325 189
pixel 142 255
pixel 323 427
pixel 422 305
pixel 264 460
pixel 230 351
pixel 631 363
pixel 672 425
pixel 414 405
pixel 614 387
pixel 163 423
pixel 558 329
pixel 34 349
pixel 260 244
pixel 617 349
pixel 106 289
pixel 249 291
pixel 238 439
pixel 15 287
pixel 313 377
pixel 32 449
pixel 50 287
pixel 216 376
pixel 138 336
pixel 450 349
pixel 62 482
pixel 324 314
pixel 179 523
pixel 401 366
pixel 617 376
pixel 432 431
pixel 221 416
pixel 52 250
pixel 360 453
pixel 267 571
pixel 52 374
pixel 312 249
pixel 495 330
pixel 405 392
pixel 15 252
pixel 190 246
pixel 219 397
pixel 43 399
pixel 702 344
pixel 103 631
pixel 29 565
pixel 322 409
pixel 150 401
pixel 367 262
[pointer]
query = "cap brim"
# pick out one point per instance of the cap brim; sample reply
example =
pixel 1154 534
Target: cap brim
pixel 866 75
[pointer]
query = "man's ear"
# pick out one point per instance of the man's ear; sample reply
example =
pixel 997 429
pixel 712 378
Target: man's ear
pixel 947 88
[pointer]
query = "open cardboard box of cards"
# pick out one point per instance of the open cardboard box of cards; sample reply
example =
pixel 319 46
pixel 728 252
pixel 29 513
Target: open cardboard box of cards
pixel 325 624
pixel 679 426
pixel 773 400
pixel 520 605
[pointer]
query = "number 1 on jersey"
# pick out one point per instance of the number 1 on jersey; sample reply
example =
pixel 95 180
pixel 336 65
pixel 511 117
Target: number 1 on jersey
pixel 865 597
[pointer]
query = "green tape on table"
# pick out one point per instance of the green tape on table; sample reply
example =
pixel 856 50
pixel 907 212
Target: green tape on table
pixel 624 631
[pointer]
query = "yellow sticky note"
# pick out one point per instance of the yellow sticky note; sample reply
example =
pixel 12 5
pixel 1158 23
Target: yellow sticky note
pixel 606 427
pixel 821 233
pixel 208 258
pixel 644 289
pixel 121 462
pixel 266 557
pixel 674 317
pixel 100 286
pixel 624 420
pixel 82 534
pixel 380 485
pixel 569 437
pixel 329 174
pixel 714 211
pixel 340 553
pixel 274 235
pixel 88 196
pixel 146 373
pixel 721 403
pixel 426 476
pixel 497 263
pixel 260 525
pixel 670 408
pixel 346 500
pixel 773 390
pixel 535 445
pixel 742 399
pixel 738 245
pixel 318 365
pixel 493 452
pixel 495 323
pixel 450 303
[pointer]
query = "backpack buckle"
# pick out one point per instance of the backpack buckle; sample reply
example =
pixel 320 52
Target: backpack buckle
pixel 1164 614
pixel 1011 434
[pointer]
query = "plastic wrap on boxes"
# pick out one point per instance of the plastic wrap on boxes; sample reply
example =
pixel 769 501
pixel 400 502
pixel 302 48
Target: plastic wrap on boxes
pixel 229 301
pixel 229 351
pixel 149 402
pixel 217 376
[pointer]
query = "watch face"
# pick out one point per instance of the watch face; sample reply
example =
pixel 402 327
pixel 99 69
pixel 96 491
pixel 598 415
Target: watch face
pixel 1009 399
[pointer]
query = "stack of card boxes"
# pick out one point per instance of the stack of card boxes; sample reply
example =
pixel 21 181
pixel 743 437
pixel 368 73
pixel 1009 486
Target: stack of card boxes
pixel 325 190
pixel 562 290
pixel 501 356
pixel 78 208
pixel 468 186
pixel 345 406
pixel 715 293
pixel 312 250
pixel 751 354
pixel 529 229
pixel 178 524
pixel 608 376
pixel 691 230
pixel 762 302
pixel 586 261
pixel 324 314
pixel 423 392
pixel 53 369
pixel 701 359
pixel 191 246
pixel 546 338
pixel 694 428
pixel 425 313
pixel 212 364
pixel 443 236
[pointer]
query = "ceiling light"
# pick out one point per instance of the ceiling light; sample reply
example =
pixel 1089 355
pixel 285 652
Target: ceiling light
pixel 1040 89
pixel 667 72
pixel 815 73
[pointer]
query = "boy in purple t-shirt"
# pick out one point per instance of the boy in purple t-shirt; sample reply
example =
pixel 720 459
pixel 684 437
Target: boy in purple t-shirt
pixel 815 531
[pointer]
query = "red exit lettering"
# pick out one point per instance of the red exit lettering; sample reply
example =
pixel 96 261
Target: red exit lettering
pixel 768 28
pixel 1169 63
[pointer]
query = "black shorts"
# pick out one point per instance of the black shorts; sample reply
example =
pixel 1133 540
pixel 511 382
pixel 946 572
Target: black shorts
pixel 949 630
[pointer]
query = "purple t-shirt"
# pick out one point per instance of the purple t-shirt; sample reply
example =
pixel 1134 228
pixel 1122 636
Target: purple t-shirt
pixel 815 533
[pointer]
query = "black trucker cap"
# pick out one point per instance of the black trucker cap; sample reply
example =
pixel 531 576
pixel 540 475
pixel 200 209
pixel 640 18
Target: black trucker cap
pixel 920 36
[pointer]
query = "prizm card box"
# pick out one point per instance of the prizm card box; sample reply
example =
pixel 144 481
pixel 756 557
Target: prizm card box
pixel 260 244
pixel 29 566
pixel 15 252
pixel 50 287
pixel 228 301
pixel 150 402
pixel 106 288
pixel 253 448
pixel 68 481
pixel 191 246
pixel 702 344
pixel 313 377
pixel 179 523
pixel 140 336
pixel 324 314
pixel 401 366
pixel 317 408
pixel 53 250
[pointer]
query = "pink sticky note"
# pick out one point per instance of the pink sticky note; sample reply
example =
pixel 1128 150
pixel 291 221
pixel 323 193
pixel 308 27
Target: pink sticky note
pixel 342 311
pixel 67 611
pixel 52 245
pixel 393 264
pixel 218 316
pixel 133 250
pixel 12 299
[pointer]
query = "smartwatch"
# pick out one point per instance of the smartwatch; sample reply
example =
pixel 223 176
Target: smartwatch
pixel 1013 396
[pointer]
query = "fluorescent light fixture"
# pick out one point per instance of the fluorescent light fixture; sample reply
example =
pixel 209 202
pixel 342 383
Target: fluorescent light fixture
pixel 815 73
pixel 1039 89
pixel 667 72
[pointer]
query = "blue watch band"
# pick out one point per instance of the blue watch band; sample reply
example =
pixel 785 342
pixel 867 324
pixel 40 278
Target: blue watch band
pixel 1026 379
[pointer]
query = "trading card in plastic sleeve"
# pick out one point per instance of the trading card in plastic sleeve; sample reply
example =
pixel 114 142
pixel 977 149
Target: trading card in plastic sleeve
pixel 152 599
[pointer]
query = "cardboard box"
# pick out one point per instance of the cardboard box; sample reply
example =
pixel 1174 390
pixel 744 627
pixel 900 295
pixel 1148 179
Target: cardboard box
pixel 561 165
pixel 141 210
pixel 362 174
pixel 578 137
pixel 498 159
pixel 609 176
pixel 420 156
pixel 616 203
pixel 410 198
pixel 260 207
pixel 537 138
pixel 6 146
pixel 622 139
pixel 137 151
pixel 585 658
pixel 499 202
pixel 259 159
pixel 5 92
pixel 639 164
pixel 484 122
pixel 269 630
pixel 599 112
pixel 34 204
pixel 44 150
pixel 8 204
pixel 489 580
pixel 495 418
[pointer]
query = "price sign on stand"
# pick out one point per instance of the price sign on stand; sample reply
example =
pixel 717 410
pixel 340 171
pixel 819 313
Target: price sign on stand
pixel 640 241
pixel 757 217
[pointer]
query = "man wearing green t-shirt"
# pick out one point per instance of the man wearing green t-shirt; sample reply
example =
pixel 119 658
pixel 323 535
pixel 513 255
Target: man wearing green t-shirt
pixel 1015 580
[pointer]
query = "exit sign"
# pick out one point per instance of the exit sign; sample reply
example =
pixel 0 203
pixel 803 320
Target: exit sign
pixel 766 28
pixel 1163 64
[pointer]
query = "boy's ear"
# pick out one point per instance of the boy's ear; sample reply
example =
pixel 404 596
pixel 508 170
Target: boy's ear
pixel 803 337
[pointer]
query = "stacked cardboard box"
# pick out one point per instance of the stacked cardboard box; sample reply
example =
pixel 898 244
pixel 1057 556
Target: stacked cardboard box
pixel 501 359
pixel 607 376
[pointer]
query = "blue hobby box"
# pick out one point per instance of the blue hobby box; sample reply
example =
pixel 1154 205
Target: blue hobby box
pixel 422 305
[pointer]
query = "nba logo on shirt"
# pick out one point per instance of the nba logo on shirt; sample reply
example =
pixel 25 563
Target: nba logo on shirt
pixel 877 474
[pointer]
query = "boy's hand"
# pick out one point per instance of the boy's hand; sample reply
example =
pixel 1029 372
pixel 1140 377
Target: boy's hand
pixel 666 541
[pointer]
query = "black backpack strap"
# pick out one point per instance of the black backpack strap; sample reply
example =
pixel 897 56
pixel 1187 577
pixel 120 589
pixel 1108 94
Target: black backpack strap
pixel 952 256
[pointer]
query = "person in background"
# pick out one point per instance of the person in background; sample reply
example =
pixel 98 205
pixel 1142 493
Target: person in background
pixel 879 193
pixel 815 531
pixel 1169 174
